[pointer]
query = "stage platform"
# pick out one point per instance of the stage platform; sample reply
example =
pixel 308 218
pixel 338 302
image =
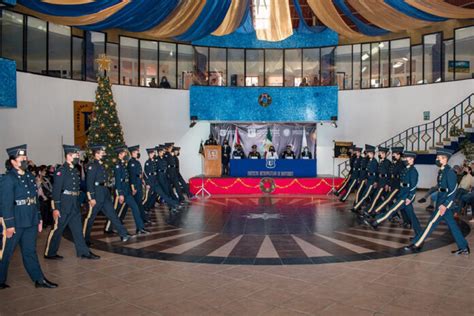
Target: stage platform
pixel 244 185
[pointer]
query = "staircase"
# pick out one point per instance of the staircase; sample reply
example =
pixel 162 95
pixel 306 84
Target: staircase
pixel 448 130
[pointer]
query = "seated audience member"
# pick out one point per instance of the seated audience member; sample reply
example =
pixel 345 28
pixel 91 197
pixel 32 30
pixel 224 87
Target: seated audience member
pixel 304 82
pixel 165 83
pixel 306 154
pixel 271 153
pixel 152 83
pixel 254 154
pixel 288 153
pixel 466 183
pixel 238 152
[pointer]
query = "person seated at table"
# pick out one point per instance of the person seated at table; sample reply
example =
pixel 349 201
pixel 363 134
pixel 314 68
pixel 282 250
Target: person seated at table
pixel 288 153
pixel 254 154
pixel 271 153
pixel 238 152
pixel 306 154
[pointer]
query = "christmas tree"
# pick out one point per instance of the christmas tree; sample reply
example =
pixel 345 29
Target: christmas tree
pixel 105 128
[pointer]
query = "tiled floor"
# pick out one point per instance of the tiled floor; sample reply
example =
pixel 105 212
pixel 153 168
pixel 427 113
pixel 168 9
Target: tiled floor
pixel 433 282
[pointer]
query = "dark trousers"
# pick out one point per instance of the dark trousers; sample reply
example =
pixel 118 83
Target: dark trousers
pixel 73 221
pixel 107 208
pixel 161 191
pixel 174 181
pixel 184 185
pixel 138 197
pixel 122 209
pixel 26 238
pixel 409 213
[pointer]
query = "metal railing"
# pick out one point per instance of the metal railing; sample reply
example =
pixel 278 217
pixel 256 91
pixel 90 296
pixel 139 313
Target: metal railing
pixel 424 138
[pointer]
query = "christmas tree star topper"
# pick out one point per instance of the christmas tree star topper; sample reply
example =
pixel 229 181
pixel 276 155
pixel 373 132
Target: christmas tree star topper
pixel 104 62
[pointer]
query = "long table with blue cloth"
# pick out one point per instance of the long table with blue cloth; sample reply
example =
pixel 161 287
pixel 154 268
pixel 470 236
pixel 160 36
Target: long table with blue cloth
pixel 273 168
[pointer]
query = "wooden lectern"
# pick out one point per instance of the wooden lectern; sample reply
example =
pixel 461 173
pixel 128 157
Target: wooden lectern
pixel 212 161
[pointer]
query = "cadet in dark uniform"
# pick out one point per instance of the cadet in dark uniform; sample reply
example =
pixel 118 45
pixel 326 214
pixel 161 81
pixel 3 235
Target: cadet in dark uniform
pixel 99 196
pixel 172 171
pixel 306 154
pixel 66 207
pixel 162 185
pixel 149 172
pixel 226 151
pixel 288 153
pixel 372 168
pixel 238 152
pixel 447 186
pixel 346 181
pixel 124 197
pixel 254 154
pixel 405 198
pixel 136 180
pixel 362 181
pixel 181 181
pixel 397 167
pixel 383 178
pixel 355 173
pixel 21 220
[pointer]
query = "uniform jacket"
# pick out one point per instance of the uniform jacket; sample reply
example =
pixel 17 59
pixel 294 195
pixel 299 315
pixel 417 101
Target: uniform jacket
pixel 122 179
pixel 135 172
pixel 447 186
pixel 409 182
pixel 66 178
pixel 96 181
pixel 384 172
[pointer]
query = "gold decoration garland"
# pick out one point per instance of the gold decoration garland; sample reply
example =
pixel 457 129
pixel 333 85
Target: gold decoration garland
pixel 239 181
pixel 233 18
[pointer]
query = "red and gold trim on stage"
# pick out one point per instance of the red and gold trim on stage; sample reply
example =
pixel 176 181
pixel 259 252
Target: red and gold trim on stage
pixel 254 185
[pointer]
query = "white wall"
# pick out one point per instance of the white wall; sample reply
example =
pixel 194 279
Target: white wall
pixel 44 118
pixel 375 115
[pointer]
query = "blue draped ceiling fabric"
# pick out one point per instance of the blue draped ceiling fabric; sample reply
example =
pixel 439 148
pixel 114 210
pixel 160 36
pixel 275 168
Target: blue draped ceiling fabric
pixel 191 20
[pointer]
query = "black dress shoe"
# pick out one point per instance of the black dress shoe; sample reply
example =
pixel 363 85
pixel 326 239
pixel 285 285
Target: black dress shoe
pixel 143 232
pixel 423 200
pixel 4 286
pixel 372 224
pixel 413 248
pixel 90 256
pixel 88 243
pixel 45 284
pixel 126 238
pixel 108 232
pixel 464 251
pixel 55 257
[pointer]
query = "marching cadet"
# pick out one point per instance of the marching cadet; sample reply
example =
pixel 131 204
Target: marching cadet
pixel 306 154
pixel 135 172
pixel 66 207
pixel 99 196
pixel 162 185
pixel 447 186
pixel 362 180
pixel 150 179
pixel 383 178
pixel 21 221
pixel 181 181
pixel 254 154
pixel 346 181
pixel 238 152
pixel 226 151
pixel 355 173
pixel 405 198
pixel 288 153
pixel 371 172
pixel 172 171
pixel 124 195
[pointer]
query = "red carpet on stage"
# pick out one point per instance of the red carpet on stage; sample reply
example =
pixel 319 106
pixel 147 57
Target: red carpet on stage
pixel 217 186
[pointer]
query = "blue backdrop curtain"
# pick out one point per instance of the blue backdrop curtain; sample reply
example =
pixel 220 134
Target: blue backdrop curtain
pixel 303 27
pixel 208 21
pixel 361 26
pixel 247 24
pixel 69 10
pixel 407 9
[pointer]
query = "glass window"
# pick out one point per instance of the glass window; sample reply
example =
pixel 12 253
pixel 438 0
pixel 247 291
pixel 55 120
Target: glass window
pixel 236 67
pixel 293 68
pixel 400 62
pixel 59 51
pixel 448 51
pixel 149 63
pixel 432 57
pixel 384 64
pixel 254 67
pixel 201 59
pixel 344 67
pixel 328 77
pixel 416 64
pixel 356 65
pixel 95 45
pixel 36 46
pixel 365 71
pixel 112 53
pixel 375 65
pixel 217 64
pixel 11 39
pixel 167 60
pixel 185 66
pixel 274 67
pixel 311 66
pixel 77 58
pixel 464 41
pixel 128 61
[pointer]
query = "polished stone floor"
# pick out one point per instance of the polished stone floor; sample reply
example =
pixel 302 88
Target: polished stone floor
pixel 433 282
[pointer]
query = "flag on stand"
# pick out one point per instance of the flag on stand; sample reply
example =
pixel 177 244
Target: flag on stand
pixel 201 149
pixel 304 142
pixel 236 138
pixel 268 140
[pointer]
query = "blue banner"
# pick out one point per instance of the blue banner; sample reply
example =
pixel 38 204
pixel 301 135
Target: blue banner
pixel 263 104
pixel 8 80
pixel 273 168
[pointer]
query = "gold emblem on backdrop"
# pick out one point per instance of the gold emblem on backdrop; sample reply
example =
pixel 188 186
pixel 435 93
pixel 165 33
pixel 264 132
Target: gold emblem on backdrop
pixel 264 100
pixel 82 117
